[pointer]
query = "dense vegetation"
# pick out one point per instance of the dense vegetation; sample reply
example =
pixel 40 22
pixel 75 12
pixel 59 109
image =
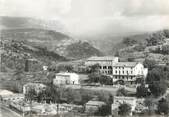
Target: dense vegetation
pixel 15 53
pixel 148 46
pixel 150 40
pixel 82 50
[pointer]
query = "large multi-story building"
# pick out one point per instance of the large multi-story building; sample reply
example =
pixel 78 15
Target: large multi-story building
pixel 105 63
pixel 121 71
pixel 129 71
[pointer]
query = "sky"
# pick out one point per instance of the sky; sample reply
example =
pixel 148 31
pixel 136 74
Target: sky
pixel 95 17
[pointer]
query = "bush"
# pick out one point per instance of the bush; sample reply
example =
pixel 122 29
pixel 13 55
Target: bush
pixel 124 109
pixel 163 106
pixel 142 91
pixel 129 41
pixel 104 110
pixel 150 64
pixel 121 92
pixel 158 88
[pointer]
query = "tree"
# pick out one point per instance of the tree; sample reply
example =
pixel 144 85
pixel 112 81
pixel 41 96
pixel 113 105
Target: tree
pixel 140 47
pixel 158 88
pixel 93 78
pixel 150 64
pixel 131 59
pixel 68 68
pixel 111 99
pixel 124 109
pixel 121 92
pixel 166 32
pixel 104 110
pixel 142 91
pixel 103 79
pixel 155 75
pixel 156 38
pixel 129 41
pixel 31 95
pixel 150 104
pixel 94 68
pixel 51 76
pixel 163 106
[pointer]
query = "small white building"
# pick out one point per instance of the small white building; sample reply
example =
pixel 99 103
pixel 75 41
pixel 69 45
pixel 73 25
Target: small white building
pixel 66 78
pixel 93 106
pixel 45 68
pixel 11 98
pixel 38 87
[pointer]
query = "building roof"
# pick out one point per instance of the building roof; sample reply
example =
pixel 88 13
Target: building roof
pixel 35 84
pixel 65 74
pixel 103 58
pixel 124 98
pixel 5 92
pixel 95 103
pixel 14 95
pixel 125 64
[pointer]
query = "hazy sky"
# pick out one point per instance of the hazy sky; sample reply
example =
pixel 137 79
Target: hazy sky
pixel 95 16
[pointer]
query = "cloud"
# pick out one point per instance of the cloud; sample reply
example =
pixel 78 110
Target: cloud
pixel 116 16
pixel 34 8
pixel 83 17
pixel 104 8
pixel 146 7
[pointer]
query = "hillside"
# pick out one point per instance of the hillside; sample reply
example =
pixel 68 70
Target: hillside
pixel 152 46
pixel 14 54
pixel 27 22
pixel 23 38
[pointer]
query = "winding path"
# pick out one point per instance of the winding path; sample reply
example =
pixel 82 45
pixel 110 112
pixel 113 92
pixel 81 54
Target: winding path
pixel 6 112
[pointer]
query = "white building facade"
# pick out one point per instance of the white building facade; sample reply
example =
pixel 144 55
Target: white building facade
pixel 105 63
pixel 120 71
pixel 66 78
pixel 38 87
pixel 129 71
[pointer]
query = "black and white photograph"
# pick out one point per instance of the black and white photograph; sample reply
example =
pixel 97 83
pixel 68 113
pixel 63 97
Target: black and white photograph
pixel 84 58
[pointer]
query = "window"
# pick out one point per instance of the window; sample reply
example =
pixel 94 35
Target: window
pixel 123 72
pixel 109 67
pixel 104 67
pixel 116 71
pixel 127 72
pixel 100 67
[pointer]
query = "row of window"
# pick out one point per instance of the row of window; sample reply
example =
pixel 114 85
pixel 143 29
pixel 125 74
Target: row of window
pixel 107 72
pixel 105 67
pixel 117 72
pixel 127 72
pixel 110 67
pixel 122 68
pixel 124 77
